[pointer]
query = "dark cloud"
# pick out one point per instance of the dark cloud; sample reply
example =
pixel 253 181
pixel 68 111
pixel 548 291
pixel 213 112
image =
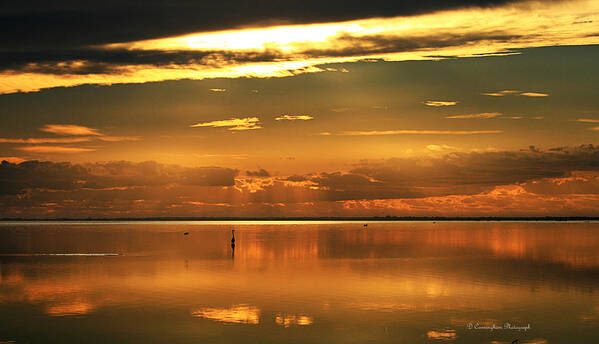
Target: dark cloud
pixel 579 185
pixel 479 181
pixel 86 60
pixel 209 176
pixel 348 186
pixel 112 61
pixel 452 174
pixel 347 45
pixel 34 24
pixel 470 173
pixel 63 38
pixel 18 178
pixel 259 173
pixel 296 178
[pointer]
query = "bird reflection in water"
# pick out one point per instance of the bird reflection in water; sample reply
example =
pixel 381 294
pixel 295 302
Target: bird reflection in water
pixel 232 243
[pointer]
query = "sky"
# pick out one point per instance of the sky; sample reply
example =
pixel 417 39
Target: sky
pixel 311 108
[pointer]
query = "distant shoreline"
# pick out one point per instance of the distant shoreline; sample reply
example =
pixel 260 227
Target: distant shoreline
pixel 384 218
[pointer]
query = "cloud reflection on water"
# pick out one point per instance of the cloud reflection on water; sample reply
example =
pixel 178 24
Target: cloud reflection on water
pixel 239 314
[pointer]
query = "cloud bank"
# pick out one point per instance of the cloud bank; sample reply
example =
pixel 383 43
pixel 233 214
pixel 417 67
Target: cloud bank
pixel 276 50
pixel 532 182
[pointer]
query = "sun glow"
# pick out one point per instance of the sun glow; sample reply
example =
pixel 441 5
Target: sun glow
pixel 293 49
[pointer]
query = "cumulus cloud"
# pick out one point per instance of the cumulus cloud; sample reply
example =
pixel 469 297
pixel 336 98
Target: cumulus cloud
pixel 438 103
pixel 17 178
pixel 246 123
pixel 259 173
pixel 69 129
pixel 294 118
pixel 483 115
pixel 476 170
pixel 556 181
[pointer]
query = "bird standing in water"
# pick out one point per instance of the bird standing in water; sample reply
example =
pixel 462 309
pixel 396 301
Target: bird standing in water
pixel 233 244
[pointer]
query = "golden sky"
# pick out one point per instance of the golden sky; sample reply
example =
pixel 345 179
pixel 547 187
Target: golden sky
pixel 460 110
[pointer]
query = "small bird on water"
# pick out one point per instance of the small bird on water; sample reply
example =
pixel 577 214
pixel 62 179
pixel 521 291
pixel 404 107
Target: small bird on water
pixel 186 233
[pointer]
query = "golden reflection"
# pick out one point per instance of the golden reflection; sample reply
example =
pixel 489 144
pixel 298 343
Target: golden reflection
pixel 76 308
pixel 374 270
pixel 289 276
pixel 441 334
pixel 287 320
pixel 240 314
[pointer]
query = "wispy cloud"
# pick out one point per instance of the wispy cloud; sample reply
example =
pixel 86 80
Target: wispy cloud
pixel 413 132
pixel 117 138
pixel 438 103
pixel 594 128
pixel 294 118
pixel 501 93
pixel 70 130
pixel 46 140
pixel 247 123
pixel 483 115
pixel 78 134
pixel 515 93
pixel 227 156
pixel 54 149
pixel 38 140
pixel 587 120
pixel 218 90
pixel 534 94
pixel 281 51
pixel 439 148
pixel 342 109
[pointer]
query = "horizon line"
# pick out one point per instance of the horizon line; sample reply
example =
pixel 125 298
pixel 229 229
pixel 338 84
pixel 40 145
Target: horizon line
pixel 314 218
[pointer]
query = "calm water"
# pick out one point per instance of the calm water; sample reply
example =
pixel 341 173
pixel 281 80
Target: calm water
pixel 299 283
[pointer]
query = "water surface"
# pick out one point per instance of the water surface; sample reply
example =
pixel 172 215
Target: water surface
pixel 311 282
